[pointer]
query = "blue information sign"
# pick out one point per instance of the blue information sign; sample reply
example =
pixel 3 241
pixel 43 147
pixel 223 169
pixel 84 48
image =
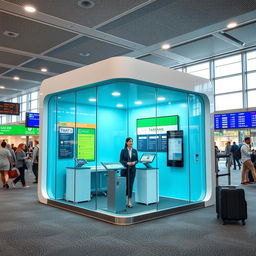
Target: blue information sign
pixel 235 120
pixel 32 120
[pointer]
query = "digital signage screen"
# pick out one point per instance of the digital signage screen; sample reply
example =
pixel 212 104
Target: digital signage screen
pixel 9 108
pixel 235 120
pixel 32 120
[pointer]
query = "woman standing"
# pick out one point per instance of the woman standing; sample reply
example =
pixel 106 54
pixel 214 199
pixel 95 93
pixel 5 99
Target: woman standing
pixel 129 158
pixel 20 164
pixel 5 164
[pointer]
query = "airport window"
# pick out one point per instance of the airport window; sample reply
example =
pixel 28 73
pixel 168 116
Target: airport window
pixel 228 66
pixel 33 104
pixel 24 98
pixel 202 70
pixel 228 84
pixel 251 99
pixel 14 100
pixel 251 81
pixel 251 61
pixel 229 101
pixel 34 95
pixel 14 119
pixel 4 121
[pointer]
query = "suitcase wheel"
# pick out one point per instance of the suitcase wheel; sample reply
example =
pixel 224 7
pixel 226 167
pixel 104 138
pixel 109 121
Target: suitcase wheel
pixel 243 222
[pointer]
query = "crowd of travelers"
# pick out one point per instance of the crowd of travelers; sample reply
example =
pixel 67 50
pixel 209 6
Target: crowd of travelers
pixel 18 159
pixel 241 155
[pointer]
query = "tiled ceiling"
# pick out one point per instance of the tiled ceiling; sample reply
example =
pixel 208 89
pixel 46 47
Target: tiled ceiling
pixel 61 35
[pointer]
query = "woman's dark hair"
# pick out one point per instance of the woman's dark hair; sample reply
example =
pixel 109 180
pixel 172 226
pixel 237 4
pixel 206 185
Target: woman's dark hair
pixel 3 144
pixel 126 140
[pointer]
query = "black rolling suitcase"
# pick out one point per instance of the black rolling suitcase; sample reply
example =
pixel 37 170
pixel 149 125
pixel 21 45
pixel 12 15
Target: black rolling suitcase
pixel 231 204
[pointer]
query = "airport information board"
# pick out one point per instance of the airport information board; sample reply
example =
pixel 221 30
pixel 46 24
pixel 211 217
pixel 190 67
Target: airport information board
pixel 235 120
pixel 152 132
pixel 17 130
pixel 9 108
pixel 32 120
pixel 66 142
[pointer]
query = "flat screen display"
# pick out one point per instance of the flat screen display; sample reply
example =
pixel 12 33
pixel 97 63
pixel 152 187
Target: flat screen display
pixel 32 120
pixel 147 158
pixel 9 108
pixel 235 120
pixel 113 166
pixel 175 148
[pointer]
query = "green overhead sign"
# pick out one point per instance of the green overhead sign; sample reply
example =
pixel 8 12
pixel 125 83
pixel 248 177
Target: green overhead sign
pixel 18 130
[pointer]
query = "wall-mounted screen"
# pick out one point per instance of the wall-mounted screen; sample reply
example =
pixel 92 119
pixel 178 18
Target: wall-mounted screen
pixel 9 108
pixel 32 120
pixel 175 148
pixel 86 144
pixel 66 142
pixel 235 120
pixel 151 132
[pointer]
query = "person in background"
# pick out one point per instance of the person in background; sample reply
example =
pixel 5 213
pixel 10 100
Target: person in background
pixel 228 152
pixel 13 147
pixel 20 164
pixel 247 162
pixel 12 154
pixel 129 158
pixel 35 160
pixel 234 149
pixel 5 164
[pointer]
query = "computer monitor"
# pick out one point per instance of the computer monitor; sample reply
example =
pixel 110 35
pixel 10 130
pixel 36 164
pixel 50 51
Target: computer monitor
pixel 147 158
pixel 80 162
pixel 113 166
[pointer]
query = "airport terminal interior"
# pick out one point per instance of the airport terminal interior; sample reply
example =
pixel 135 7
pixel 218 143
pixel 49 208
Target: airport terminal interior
pixel 79 205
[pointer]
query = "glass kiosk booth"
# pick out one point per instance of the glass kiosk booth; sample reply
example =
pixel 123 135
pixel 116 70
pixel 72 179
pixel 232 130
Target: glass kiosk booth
pixel 87 114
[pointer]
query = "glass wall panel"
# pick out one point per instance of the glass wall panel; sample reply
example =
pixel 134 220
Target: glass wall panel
pixel 174 186
pixel 228 66
pixel 120 106
pixel 251 80
pixel 197 177
pixel 251 60
pixel 228 84
pixel 251 99
pixel 228 101
pixel 87 180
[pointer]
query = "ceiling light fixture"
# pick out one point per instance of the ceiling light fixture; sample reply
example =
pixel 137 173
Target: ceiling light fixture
pixel 86 54
pixel 232 25
pixel 2 87
pixel 92 100
pixel 86 3
pixel 119 105
pixel 116 93
pixel 11 34
pixel 161 98
pixel 29 8
pixel 16 78
pixel 44 69
pixel 165 46
pixel 138 102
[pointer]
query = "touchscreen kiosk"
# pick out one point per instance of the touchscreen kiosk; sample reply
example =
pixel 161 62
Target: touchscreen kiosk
pixel 113 166
pixel 147 158
pixel 175 148
pixel 80 162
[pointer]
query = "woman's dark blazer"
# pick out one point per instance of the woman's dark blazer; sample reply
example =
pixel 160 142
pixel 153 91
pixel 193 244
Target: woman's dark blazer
pixel 124 157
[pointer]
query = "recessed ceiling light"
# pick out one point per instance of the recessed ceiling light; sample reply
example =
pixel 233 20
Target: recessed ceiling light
pixel 138 102
pixel 92 99
pixel 44 69
pixel 116 93
pixel 2 87
pixel 16 78
pixel 11 34
pixel 29 8
pixel 165 46
pixel 232 25
pixel 84 54
pixel 161 98
pixel 86 3
pixel 119 105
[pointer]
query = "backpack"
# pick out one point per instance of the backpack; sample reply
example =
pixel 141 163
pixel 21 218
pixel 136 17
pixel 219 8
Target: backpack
pixel 238 154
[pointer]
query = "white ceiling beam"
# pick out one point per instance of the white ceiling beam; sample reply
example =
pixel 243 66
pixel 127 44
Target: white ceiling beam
pixel 228 40
pixel 20 80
